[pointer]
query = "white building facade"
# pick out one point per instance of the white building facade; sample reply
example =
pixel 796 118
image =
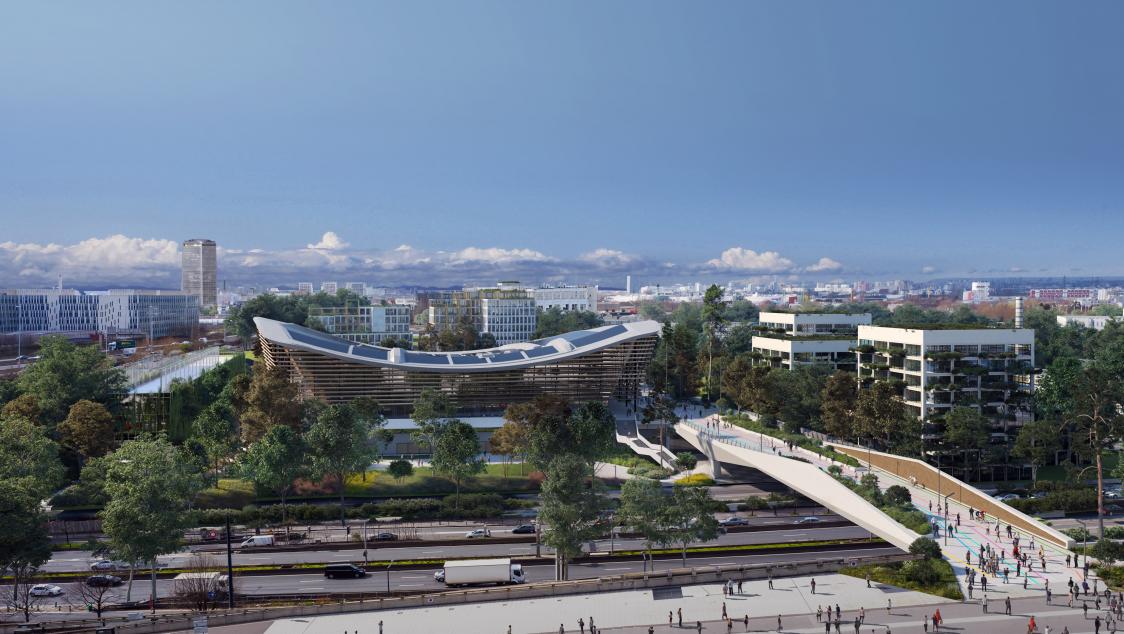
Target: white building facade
pixel 117 311
pixel 364 324
pixel 566 298
pixel 788 340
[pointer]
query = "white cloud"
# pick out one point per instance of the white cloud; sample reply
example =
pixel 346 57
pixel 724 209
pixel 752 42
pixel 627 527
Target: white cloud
pixel 497 255
pixel 928 268
pixel 330 242
pixel 824 264
pixel 143 259
pixel 748 260
pixel 607 258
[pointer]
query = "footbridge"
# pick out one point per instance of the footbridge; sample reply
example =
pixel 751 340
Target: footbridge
pixel 721 445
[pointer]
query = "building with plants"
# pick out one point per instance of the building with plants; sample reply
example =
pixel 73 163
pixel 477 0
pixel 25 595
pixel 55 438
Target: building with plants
pixel 936 368
pixel 787 340
pixel 598 364
pixel 507 312
pixel 363 324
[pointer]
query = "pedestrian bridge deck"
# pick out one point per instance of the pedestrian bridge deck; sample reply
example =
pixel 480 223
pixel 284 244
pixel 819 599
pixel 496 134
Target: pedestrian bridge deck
pixel 722 445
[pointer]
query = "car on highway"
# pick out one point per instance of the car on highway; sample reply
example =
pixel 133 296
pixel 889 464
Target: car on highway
pixel 734 520
pixel 385 537
pixel 105 564
pixel 336 571
pixel 524 529
pixel 811 519
pixel 1007 497
pixel 45 590
pixel 103 581
pixel 479 532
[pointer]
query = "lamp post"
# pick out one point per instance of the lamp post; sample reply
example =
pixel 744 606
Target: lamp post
pixel 1084 538
pixel 388 576
pixel 229 567
pixel 365 522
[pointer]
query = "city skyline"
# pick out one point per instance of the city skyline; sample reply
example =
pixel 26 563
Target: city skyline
pixel 421 146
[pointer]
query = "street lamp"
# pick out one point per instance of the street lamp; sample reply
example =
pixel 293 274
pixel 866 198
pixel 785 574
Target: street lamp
pixel 365 522
pixel 1084 538
pixel 388 576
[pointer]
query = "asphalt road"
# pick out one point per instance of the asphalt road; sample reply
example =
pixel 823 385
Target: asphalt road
pixel 422 580
pixel 386 551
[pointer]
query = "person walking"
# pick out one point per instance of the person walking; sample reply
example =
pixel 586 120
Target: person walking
pixel 723 609
pixel 561 629
pixel 780 627
pixel 1007 606
pixel 698 627
pixel 680 612
pixel 813 586
pixel 669 620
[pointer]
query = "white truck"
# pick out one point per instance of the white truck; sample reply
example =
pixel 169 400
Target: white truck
pixel 479 571
pixel 257 541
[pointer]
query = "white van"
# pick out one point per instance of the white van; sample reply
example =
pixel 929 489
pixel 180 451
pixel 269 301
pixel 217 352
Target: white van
pixel 257 541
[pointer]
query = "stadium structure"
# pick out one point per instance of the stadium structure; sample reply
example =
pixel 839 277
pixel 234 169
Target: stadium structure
pixel 598 364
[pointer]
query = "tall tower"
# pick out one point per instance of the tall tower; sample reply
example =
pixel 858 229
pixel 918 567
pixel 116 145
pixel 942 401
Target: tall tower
pixel 199 270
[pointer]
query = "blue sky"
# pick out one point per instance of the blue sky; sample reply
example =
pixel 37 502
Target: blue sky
pixel 566 139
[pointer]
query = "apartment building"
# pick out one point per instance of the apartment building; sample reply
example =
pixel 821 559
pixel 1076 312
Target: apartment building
pixel 364 324
pixel 787 340
pixel 938 368
pixel 507 313
pixel 199 270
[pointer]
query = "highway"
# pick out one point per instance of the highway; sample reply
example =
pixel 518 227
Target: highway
pixel 422 580
pixel 69 561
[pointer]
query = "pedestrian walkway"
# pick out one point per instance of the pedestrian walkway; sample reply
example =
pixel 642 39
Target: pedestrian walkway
pixel 791 598
pixel 967 535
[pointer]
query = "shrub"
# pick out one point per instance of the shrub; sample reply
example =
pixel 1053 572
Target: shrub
pixel 686 460
pixel 1107 551
pixel 695 480
pixel 925 547
pixel 921 572
pixel 755 503
pixel 897 494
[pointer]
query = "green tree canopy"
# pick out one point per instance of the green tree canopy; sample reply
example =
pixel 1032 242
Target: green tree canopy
pixel 837 404
pixel 25 406
pixel 344 441
pixel 690 517
pixel 1038 443
pixel 643 509
pixel 88 429
pixel 570 508
pixel 29 457
pixel 270 400
pixel 967 431
pixel 67 373
pixel 275 461
pixel 456 453
pixel 555 321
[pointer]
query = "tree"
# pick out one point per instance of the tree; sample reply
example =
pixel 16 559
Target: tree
pixel 25 406
pixel 643 508
pixel 270 400
pixel 98 598
pixel 431 410
pixel 1037 443
pixel 686 460
pixel 150 487
pixel 555 321
pixel 1107 551
pixel 275 461
pixel 24 542
pixel 400 469
pixel 879 414
pixel 214 430
pixel 925 547
pixel 837 404
pixel 690 518
pixel 67 373
pixel 556 428
pixel 510 440
pixel 714 320
pixel 29 457
pixel 1097 422
pixel 343 442
pixel 966 430
pixel 456 454
pixel 570 509
pixel 88 429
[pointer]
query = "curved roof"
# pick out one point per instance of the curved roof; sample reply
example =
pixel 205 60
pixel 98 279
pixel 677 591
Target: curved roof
pixel 509 357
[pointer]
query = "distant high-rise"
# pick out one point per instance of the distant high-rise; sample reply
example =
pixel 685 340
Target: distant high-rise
pixel 199 270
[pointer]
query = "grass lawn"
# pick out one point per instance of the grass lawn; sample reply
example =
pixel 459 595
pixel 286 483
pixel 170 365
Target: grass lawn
pixel 229 493
pixel 894 575
pixel 424 482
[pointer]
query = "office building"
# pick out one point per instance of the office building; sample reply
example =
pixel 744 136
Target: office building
pixel 199 270
pixel 113 312
pixel 364 324
pixel 787 340
pixel 359 288
pixel 1096 322
pixel 304 288
pixel 329 287
pixel 566 298
pixel 585 365
pixel 507 313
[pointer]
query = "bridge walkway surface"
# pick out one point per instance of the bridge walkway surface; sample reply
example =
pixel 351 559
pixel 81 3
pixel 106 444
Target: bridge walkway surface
pixel 724 443
pixel 970 536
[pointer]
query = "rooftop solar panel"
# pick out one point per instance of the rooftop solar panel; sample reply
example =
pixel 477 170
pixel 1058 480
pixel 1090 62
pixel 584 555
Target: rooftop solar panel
pixel 540 352
pixel 467 359
pixel 510 355
pixel 426 358
pixel 370 352
pixel 320 341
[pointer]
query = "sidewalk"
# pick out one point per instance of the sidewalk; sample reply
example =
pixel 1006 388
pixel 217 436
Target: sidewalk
pixel 790 597
pixel 970 536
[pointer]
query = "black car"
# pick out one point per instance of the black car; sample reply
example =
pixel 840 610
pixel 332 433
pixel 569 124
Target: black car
pixel 335 571
pixel 103 581
pixel 385 537
pixel 524 529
